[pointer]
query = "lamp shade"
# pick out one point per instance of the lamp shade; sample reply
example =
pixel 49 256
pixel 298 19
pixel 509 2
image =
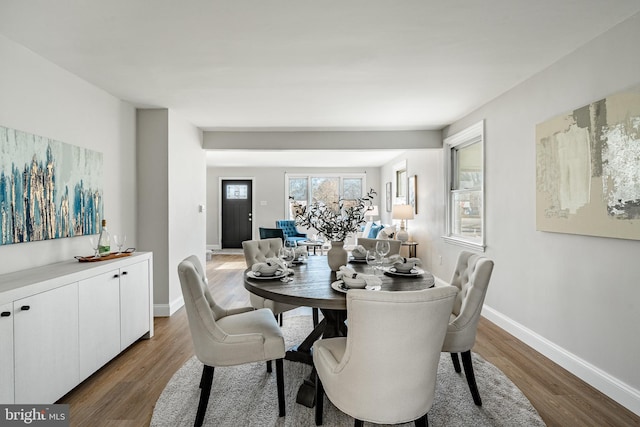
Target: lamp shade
pixel 402 212
pixel 372 211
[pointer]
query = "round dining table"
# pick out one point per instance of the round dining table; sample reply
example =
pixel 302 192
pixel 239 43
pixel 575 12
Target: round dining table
pixel 311 287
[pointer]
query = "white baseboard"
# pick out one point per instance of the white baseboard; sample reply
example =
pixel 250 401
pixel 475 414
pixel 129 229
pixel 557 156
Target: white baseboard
pixel 622 393
pixel 167 310
pixel 213 246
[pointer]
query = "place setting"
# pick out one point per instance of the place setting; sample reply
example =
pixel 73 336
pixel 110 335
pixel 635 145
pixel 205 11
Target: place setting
pixel 404 267
pixel 350 279
pixel 275 268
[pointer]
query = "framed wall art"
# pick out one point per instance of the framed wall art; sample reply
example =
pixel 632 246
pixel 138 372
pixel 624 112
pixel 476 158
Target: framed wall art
pixel 411 193
pixel 48 189
pixel 388 196
pixel 588 169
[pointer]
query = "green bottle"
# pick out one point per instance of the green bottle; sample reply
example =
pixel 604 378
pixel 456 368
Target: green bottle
pixel 104 241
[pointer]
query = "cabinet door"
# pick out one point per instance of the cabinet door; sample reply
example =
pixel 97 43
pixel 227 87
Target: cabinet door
pixel 6 354
pixel 46 345
pixel 99 305
pixel 134 302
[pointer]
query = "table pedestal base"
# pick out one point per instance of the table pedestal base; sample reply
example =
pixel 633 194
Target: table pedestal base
pixel 331 326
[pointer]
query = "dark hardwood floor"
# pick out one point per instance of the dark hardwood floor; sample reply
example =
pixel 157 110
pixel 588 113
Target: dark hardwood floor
pixel 124 391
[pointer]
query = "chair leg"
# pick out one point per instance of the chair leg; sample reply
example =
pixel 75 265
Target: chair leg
pixel 280 383
pixel 314 312
pixel 471 378
pixel 319 401
pixel 205 384
pixel 268 365
pixel 358 423
pixel 423 421
pixel 456 362
pixel 281 318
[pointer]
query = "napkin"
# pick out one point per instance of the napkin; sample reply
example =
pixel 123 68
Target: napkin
pixel 359 252
pixel 267 266
pixel 301 252
pixel 369 279
pixel 401 260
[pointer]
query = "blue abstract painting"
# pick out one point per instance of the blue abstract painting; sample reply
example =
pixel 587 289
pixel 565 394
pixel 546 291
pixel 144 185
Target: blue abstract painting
pixel 48 189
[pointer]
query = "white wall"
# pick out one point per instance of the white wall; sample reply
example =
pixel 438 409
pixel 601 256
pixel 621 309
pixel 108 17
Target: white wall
pixel 172 169
pixel 41 98
pixel 187 191
pixel 268 186
pixel 575 298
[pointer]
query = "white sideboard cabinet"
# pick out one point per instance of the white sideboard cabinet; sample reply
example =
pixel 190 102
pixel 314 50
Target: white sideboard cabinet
pixel 6 353
pixel 62 322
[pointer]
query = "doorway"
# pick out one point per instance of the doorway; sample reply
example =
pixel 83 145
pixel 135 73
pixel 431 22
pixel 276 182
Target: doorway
pixel 237 202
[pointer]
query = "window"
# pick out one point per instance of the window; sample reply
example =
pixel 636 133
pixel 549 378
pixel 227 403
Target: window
pixel 465 187
pixel 326 188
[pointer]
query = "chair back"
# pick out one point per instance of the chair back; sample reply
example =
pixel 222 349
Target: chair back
pixel 269 233
pixel 289 227
pixel 392 352
pixel 259 250
pixel 370 245
pixel 471 278
pixel 202 311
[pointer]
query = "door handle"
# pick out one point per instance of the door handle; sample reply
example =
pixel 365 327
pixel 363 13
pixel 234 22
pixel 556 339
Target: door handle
pixel 5 314
pixel 25 307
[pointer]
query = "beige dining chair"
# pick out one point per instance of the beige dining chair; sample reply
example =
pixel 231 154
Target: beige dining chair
pixel 228 337
pixel 370 245
pixel 384 370
pixel 471 278
pixel 258 251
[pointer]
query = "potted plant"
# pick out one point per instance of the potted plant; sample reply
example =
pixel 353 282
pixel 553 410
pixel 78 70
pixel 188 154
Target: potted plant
pixel 335 222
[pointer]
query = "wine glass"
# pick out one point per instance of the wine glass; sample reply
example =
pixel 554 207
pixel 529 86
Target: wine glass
pixel 382 248
pixel 372 261
pixel 119 240
pixel 286 254
pixel 93 240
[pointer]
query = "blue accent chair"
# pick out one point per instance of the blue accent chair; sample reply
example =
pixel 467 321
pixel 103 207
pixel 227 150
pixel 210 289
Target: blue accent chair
pixel 291 234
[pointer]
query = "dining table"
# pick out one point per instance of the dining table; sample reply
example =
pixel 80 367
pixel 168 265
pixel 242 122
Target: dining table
pixel 311 286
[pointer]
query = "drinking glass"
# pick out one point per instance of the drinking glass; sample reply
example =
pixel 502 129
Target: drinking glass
pixel 382 248
pixel 119 240
pixel 93 240
pixel 286 254
pixel 372 261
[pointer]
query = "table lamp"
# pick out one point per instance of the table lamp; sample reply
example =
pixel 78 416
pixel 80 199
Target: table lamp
pixel 371 212
pixel 402 212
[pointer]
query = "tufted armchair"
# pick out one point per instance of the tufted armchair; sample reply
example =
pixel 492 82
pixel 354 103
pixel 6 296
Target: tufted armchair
pixel 471 278
pixel 269 233
pixel 383 371
pixel 227 337
pixel 291 233
pixel 258 251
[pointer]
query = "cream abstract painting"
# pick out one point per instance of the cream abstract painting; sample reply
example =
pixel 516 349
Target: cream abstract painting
pixel 588 169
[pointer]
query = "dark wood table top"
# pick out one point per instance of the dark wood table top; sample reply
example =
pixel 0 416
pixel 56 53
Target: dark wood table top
pixel 311 285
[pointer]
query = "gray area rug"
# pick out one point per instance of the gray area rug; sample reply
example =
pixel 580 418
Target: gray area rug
pixel 246 395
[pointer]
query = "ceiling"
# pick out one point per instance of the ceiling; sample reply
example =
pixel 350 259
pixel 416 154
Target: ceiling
pixel 308 65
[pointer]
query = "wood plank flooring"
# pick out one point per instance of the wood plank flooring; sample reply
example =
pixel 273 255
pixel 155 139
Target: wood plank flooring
pixel 124 391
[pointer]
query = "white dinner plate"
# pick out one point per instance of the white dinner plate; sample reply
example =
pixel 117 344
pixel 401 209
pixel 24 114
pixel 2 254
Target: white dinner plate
pixel 418 272
pixel 252 275
pixel 338 286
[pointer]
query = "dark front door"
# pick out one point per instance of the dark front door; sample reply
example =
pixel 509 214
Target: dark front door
pixel 236 212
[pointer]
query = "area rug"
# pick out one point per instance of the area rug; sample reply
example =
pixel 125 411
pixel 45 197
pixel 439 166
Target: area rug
pixel 246 395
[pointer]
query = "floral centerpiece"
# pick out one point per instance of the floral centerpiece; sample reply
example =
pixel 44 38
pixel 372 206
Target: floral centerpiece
pixel 335 222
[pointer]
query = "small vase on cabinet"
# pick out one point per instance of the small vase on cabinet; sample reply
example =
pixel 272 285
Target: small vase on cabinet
pixel 337 256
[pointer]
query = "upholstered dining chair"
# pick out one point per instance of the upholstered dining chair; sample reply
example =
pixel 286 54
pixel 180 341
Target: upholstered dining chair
pixel 228 337
pixel 258 251
pixel 471 278
pixel 384 371
pixel 370 244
